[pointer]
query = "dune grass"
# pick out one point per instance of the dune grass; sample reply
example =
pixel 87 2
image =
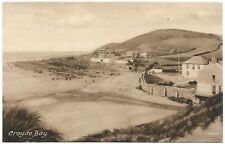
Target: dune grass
pixel 166 130
pixel 72 67
pixel 21 125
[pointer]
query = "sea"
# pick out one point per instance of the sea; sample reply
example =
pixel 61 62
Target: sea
pixel 26 56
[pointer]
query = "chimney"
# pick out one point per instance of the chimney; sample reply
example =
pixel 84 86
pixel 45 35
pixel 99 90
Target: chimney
pixel 213 59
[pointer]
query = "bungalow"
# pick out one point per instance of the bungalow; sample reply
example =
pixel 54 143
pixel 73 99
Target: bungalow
pixel 143 55
pixel 191 67
pixel 209 82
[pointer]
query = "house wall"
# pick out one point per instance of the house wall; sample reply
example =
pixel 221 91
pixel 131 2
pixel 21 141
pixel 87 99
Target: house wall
pixel 120 61
pixel 143 55
pixel 95 60
pixel 106 60
pixel 102 54
pixel 204 89
pixel 192 73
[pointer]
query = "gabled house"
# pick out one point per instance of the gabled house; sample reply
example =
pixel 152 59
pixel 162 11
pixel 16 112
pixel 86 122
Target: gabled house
pixel 209 81
pixel 191 67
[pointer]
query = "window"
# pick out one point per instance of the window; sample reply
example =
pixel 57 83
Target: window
pixel 187 73
pixel 213 78
pixel 198 66
pixel 213 89
pixel 193 66
pixel 220 89
pixel 187 66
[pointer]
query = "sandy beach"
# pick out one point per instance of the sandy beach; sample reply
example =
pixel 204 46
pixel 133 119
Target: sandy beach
pixel 76 108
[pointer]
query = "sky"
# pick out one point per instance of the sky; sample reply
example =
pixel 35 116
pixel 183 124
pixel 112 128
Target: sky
pixel 86 26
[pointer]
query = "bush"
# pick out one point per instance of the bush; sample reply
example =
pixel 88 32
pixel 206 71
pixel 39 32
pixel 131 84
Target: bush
pixel 181 100
pixel 139 87
pixel 20 125
pixel 192 82
pixel 153 79
pixel 165 83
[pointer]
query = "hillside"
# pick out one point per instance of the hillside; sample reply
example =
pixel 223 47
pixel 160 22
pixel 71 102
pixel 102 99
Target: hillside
pixel 169 41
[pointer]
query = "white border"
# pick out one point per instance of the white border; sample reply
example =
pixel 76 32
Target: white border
pixel 136 1
pixel 1 37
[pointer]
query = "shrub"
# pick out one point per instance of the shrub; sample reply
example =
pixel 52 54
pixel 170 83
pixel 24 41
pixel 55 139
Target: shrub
pixel 165 83
pixel 153 79
pixel 18 121
pixel 192 82
pixel 181 100
pixel 139 87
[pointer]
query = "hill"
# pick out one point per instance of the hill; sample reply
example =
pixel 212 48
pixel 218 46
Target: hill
pixel 168 42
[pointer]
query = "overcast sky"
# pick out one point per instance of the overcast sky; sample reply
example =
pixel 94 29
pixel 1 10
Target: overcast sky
pixel 87 26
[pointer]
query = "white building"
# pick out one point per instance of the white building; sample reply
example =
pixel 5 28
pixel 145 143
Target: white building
pixel 101 60
pixel 155 70
pixel 143 55
pixel 93 59
pixel 130 54
pixel 120 61
pixel 209 81
pixel 191 67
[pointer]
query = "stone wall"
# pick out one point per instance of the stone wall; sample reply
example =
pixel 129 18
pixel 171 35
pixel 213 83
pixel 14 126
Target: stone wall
pixel 162 90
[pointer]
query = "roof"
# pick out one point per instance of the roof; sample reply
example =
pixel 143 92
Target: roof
pixel 205 74
pixel 197 60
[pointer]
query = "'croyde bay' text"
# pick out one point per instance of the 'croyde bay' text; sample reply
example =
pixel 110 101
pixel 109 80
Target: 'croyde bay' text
pixel 34 133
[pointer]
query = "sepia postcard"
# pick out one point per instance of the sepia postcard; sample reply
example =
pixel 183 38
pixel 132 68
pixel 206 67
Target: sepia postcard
pixel 112 72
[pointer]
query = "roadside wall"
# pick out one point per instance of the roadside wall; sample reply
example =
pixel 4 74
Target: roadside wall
pixel 170 90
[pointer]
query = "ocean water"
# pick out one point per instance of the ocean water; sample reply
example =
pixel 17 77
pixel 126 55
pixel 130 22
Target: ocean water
pixel 25 56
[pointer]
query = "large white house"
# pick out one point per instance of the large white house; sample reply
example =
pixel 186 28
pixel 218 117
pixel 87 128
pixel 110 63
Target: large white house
pixel 191 67
pixel 209 81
